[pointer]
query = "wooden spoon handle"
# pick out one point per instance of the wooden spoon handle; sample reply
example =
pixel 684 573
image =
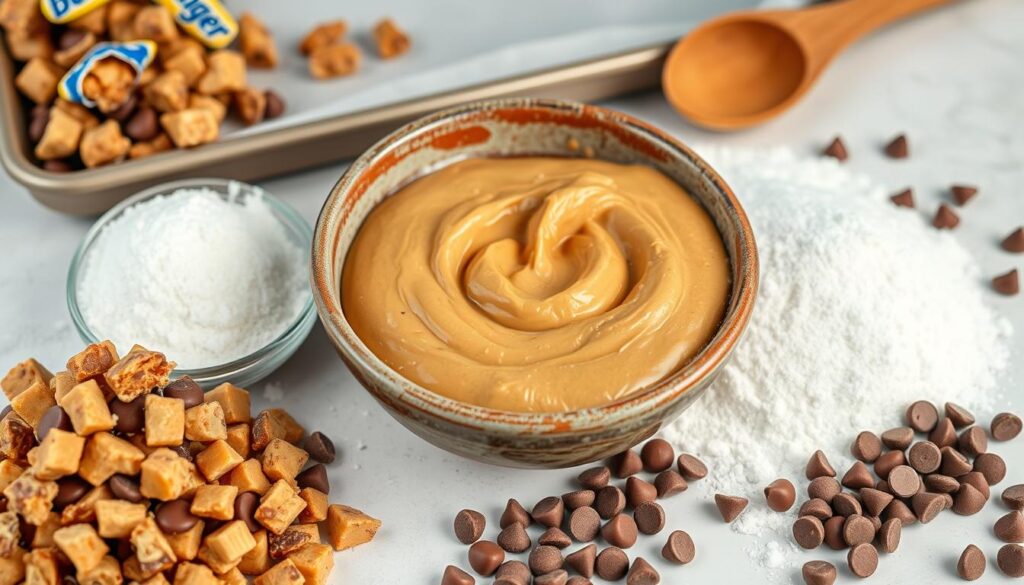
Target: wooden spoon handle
pixel 825 29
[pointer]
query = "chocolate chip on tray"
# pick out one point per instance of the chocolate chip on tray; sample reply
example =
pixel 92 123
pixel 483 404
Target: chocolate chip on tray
pixel 1006 426
pixel 245 510
pixel 836 149
pixel 469 526
pixel 131 416
pixel 1014 242
pixel 904 198
pixel 962 193
pixel 818 573
pixel 315 477
pixel 70 489
pixel 53 418
pixel 582 561
pixel 175 517
pixel 818 466
pixel 971 565
pixel 898 147
pixel 320 447
pixel 125 488
pixel 730 507
pixel 275 105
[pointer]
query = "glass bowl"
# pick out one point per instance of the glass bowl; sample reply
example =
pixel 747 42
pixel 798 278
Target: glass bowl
pixel 243 371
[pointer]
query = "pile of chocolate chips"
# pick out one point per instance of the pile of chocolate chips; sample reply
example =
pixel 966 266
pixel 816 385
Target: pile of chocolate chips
pixel 598 511
pixel 932 464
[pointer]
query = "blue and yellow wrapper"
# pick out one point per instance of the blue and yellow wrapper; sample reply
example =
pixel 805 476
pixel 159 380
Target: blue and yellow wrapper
pixel 62 11
pixel 206 20
pixel 137 54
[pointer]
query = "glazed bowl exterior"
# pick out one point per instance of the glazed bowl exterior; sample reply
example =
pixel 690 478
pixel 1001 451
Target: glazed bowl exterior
pixel 526 127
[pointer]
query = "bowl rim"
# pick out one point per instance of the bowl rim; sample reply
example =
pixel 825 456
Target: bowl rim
pixel 293 222
pixel 399 389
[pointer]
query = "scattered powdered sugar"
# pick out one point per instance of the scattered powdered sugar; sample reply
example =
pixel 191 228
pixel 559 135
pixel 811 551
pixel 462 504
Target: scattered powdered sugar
pixel 273 392
pixel 863 308
pixel 206 280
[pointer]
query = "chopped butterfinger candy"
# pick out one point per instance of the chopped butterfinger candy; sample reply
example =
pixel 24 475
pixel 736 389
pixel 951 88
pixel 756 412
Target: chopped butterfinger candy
pixel 137 373
pixel 348 527
pixel 191 127
pixel 215 501
pixel 257 45
pixel 231 541
pixel 165 421
pixel 186 544
pixel 214 105
pixel 117 518
pixel 225 73
pixel 83 547
pixel 257 560
pixel 92 361
pixel 162 143
pixel 109 83
pixel 205 423
pixel 151 548
pixel 121 20
pixel 84 510
pixel 16 437
pixel 9 471
pixel 238 436
pixel 10 533
pixel 31 403
pixel 283 573
pixel 27 46
pixel 190 64
pixel 168 92
pixel 94 21
pixel 23 375
pixel 165 475
pixel 282 460
pixel 316 505
pixel 248 476
pixel 275 423
pixel 88 120
pixel 235 402
pixel 155 23
pixel 106 455
pixel 212 560
pixel 326 34
pixel 31 498
pixel 292 539
pixel 44 532
pixel 38 80
pixel 334 61
pixel 314 561
pixel 73 46
pixel 103 145
pixel 107 572
pixel 58 455
pixel 194 574
pixel 61 136
pixel 217 459
pixel 43 566
pixel 279 507
pixel 62 383
pixel 391 41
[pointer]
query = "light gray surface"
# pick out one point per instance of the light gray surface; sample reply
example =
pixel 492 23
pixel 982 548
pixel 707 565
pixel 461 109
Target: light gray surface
pixel 952 80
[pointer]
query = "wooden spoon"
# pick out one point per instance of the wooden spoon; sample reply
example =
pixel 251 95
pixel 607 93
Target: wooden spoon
pixel 747 67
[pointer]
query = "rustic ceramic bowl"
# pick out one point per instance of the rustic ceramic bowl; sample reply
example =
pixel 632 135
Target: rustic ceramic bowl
pixel 516 127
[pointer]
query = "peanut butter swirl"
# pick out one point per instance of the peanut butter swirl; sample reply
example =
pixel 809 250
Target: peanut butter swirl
pixel 537 284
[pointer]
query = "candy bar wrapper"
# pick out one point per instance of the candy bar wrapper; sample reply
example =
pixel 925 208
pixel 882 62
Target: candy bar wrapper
pixel 62 11
pixel 206 20
pixel 137 54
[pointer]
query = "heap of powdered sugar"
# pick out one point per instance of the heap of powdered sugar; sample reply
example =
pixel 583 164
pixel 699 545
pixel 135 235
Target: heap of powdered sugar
pixel 862 309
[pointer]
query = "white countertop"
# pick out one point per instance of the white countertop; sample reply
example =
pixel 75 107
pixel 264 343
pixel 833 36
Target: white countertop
pixel 952 80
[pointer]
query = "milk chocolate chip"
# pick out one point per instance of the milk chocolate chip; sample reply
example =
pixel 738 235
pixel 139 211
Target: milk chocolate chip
pixel 485 557
pixel 818 573
pixel 657 455
pixel 469 526
pixel 1006 426
pixel 971 565
pixel 679 548
pixel 730 506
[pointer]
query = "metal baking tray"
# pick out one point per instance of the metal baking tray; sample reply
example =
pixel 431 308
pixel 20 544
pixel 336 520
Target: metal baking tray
pixel 459 53
pixel 254 157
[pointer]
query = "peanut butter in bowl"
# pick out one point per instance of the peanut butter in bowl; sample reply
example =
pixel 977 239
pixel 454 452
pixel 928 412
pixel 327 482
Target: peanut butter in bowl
pixel 537 284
